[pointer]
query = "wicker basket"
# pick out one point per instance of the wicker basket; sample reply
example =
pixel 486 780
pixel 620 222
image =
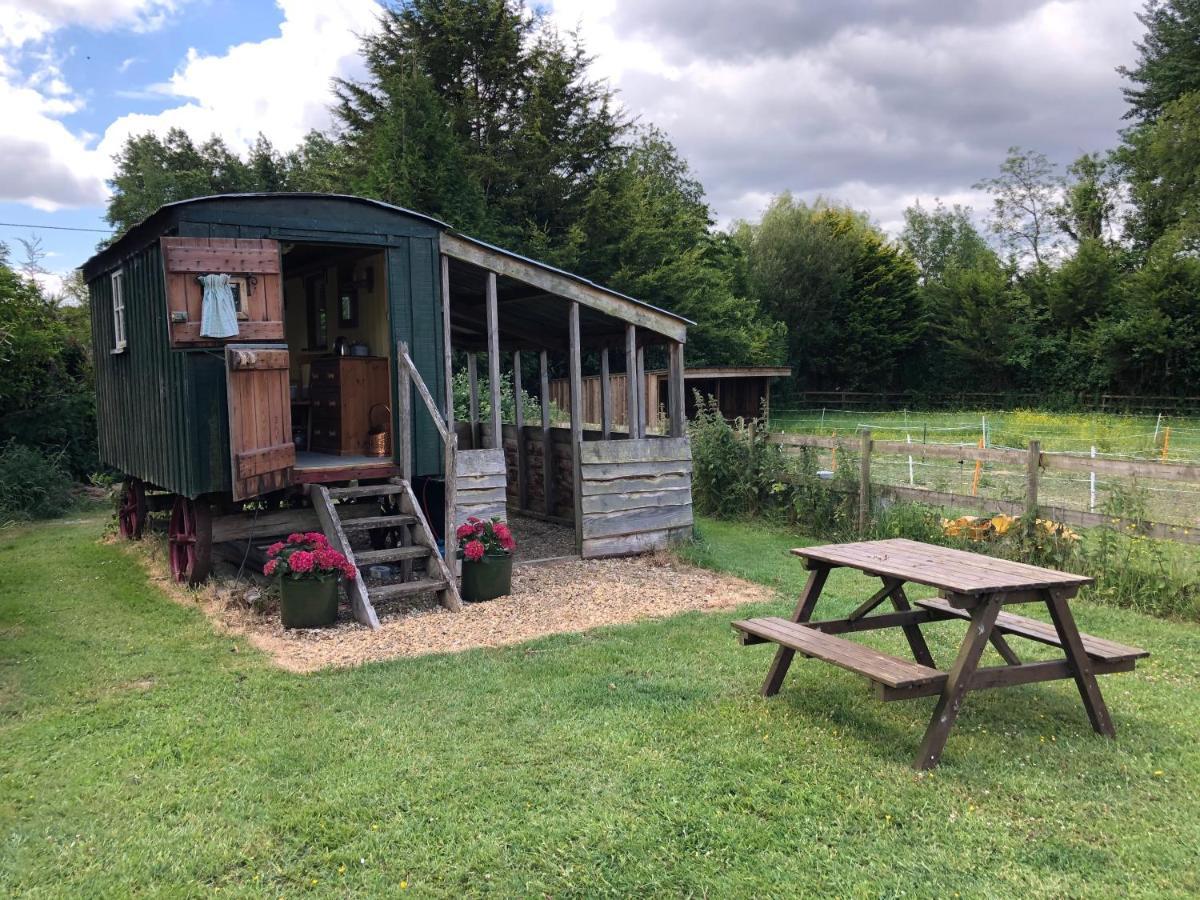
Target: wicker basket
pixel 379 439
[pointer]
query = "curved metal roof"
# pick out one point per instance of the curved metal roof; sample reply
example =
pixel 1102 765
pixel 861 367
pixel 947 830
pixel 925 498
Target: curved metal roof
pixel 138 234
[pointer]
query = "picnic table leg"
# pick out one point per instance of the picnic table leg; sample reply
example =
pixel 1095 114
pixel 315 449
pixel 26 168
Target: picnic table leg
pixel 1080 662
pixel 983 618
pixel 803 613
pixel 916 640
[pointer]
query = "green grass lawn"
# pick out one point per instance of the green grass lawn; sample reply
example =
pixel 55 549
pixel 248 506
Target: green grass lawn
pixel 144 753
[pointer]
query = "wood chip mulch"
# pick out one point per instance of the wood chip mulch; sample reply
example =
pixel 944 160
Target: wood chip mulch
pixel 547 599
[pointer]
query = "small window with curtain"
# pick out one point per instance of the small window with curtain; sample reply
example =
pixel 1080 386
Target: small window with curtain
pixel 118 310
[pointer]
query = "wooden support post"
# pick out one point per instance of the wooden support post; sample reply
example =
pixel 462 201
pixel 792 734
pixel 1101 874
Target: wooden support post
pixel 519 423
pixel 605 397
pixel 404 413
pixel 1032 471
pixel 447 353
pixel 631 392
pixel 1080 663
pixel 576 423
pixel 493 338
pixel 473 378
pixel 450 446
pixel 864 482
pixel 675 389
pixel 641 392
pixel 547 444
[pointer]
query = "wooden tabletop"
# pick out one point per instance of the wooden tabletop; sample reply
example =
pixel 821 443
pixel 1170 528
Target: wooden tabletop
pixel 954 571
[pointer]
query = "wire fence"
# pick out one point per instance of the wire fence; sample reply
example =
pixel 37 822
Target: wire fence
pixel 1170 495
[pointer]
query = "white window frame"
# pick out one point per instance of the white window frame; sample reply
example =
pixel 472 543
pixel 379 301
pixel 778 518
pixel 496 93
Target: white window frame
pixel 120 340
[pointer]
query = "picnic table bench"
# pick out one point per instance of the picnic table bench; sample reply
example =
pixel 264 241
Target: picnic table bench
pixel 973 588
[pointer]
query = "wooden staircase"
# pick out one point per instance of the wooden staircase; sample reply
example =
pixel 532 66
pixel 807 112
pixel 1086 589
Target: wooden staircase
pixel 400 535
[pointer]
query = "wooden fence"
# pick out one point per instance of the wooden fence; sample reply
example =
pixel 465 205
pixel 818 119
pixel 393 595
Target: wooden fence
pixel 1034 460
pixel 866 400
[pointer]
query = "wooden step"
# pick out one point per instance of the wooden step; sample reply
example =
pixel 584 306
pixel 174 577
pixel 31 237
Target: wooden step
pixel 889 671
pixel 367 557
pixel 405 589
pixel 365 490
pixel 367 523
pixel 1044 633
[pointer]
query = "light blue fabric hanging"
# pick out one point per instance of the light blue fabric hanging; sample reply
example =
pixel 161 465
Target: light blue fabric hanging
pixel 218 316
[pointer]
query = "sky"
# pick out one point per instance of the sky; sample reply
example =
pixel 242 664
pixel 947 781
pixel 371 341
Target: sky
pixel 874 103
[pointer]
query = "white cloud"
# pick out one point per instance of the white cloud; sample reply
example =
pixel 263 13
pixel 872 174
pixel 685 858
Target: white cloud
pixel 26 21
pixel 280 86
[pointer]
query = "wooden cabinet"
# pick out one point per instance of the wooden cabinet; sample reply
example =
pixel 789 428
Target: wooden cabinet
pixel 342 392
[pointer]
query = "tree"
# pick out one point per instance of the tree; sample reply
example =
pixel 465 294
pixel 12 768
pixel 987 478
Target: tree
pixel 645 231
pixel 846 294
pixel 494 97
pixel 941 239
pixel 1089 199
pixel 46 398
pixel 1161 161
pixel 1168 63
pixel 1025 196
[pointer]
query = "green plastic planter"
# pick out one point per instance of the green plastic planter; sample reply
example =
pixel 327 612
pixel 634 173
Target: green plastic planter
pixel 308 602
pixel 487 579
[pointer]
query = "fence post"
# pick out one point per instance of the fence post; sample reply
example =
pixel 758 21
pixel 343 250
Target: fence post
pixel 864 482
pixel 1032 470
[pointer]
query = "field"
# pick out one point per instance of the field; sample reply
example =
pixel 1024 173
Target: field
pixel 145 753
pixel 1112 436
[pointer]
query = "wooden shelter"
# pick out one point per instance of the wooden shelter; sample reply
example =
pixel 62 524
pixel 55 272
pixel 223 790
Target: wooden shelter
pixel 333 405
pixel 739 391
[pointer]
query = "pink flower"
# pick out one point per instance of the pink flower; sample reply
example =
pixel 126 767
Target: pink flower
pixel 271 566
pixel 274 549
pixel 295 538
pixel 473 551
pixel 508 543
pixel 301 561
pixel 465 530
pixel 349 572
pixel 326 557
pixel 316 537
pixel 501 530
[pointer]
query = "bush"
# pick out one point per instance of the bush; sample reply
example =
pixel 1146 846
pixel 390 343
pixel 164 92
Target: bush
pixel 33 484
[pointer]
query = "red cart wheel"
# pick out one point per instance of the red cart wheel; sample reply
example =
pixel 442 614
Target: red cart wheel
pixel 131 513
pixel 189 540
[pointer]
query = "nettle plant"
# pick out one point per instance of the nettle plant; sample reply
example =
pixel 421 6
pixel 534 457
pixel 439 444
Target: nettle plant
pixel 307 556
pixel 477 539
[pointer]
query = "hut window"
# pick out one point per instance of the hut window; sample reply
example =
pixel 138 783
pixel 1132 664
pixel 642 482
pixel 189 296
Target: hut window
pixel 118 308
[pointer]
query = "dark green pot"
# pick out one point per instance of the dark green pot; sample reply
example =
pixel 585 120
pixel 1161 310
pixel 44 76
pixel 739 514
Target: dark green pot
pixel 308 602
pixel 487 579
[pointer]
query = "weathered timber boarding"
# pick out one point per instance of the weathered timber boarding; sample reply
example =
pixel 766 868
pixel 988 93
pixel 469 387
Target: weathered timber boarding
pixel 635 495
pixel 480 485
pixel 260 428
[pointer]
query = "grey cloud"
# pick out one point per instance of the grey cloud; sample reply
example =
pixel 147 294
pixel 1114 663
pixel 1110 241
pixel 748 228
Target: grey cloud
pixel 900 114
pixel 739 29
pixel 28 171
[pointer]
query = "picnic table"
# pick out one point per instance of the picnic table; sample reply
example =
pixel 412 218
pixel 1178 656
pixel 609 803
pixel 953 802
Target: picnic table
pixel 972 588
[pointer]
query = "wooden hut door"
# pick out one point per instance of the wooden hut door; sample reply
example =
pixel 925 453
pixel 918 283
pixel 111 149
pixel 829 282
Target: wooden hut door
pixel 261 452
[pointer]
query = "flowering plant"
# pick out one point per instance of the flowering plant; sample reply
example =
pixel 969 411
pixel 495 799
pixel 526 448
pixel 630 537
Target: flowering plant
pixel 307 555
pixel 477 538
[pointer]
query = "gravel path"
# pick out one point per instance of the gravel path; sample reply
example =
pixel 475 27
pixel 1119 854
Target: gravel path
pixel 547 599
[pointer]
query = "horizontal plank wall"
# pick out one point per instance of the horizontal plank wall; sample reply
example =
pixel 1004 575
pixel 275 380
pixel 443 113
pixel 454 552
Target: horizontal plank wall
pixel 479 485
pixel 637 495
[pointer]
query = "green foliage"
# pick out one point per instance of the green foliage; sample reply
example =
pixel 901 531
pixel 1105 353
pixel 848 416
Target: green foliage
pixel 1168 63
pixel 847 295
pixel 462 400
pixel 1025 200
pixel 33 484
pixel 46 398
pixel 737 474
pixel 943 240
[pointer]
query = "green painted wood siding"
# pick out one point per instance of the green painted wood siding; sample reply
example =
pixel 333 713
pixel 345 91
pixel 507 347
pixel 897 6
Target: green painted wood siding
pixel 162 413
